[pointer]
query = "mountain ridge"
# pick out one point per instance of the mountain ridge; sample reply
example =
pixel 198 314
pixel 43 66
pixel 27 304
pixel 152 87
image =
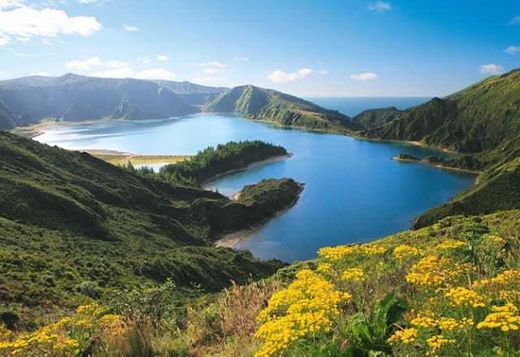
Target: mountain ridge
pixel 279 108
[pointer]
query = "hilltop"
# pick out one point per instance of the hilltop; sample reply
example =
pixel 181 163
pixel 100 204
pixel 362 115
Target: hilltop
pixel 278 108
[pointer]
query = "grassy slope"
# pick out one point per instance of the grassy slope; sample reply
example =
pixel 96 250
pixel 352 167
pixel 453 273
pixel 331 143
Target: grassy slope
pixel 73 226
pixel 225 324
pixel 498 189
pixel 482 120
pixel 279 108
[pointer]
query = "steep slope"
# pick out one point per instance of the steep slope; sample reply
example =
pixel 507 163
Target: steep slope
pixel 73 98
pixel 374 118
pixel 192 94
pixel 7 121
pixel 482 120
pixel 279 108
pixel 72 227
pixel 498 189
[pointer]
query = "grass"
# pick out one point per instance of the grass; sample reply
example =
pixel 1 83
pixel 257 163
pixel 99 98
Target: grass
pixel 121 159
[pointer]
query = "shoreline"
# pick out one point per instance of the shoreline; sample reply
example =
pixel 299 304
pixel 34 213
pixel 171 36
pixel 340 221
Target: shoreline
pixel 438 166
pixel 231 240
pixel 206 184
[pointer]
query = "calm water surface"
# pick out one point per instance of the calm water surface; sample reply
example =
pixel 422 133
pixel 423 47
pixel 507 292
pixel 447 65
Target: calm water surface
pixel 354 191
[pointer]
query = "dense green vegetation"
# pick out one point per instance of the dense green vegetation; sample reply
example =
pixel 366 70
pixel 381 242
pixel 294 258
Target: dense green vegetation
pixel 428 291
pixel 74 228
pixel 217 160
pixel 498 189
pixel 406 157
pixel 482 122
pixel 279 108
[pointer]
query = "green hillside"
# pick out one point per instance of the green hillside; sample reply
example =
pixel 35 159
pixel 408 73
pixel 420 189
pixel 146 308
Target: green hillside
pixel 278 108
pixel 73 227
pixel 449 289
pixel 498 189
pixel 482 120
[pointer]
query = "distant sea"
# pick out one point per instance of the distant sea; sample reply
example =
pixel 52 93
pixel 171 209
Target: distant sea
pixel 354 105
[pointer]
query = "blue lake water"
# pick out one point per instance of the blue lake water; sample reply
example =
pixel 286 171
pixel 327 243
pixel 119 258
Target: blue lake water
pixel 354 191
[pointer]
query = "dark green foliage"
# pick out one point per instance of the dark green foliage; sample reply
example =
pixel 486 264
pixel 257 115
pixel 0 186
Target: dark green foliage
pixel 217 160
pixel 279 108
pixel 498 189
pixel 407 157
pixel 73 227
pixel 369 334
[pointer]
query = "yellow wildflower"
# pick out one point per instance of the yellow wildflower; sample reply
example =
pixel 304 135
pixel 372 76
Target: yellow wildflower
pixel 438 341
pixel 405 336
pixel 353 274
pixel 403 252
pixel 432 272
pixel 451 324
pixel 464 297
pixel 307 306
pixel 451 244
pixel 424 321
pixel 325 268
pixel 504 318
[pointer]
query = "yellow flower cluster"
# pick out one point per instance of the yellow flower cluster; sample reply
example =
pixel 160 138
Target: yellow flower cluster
pixel 504 318
pixel 444 323
pixel 404 336
pixel 306 307
pixel 507 277
pixel 424 321
pixel 57 338
pixel 432 272
pixel 403 252
pixel 451 244
pixel 353 274
pixel 438 341
pixel 325 268
pixel 461 296
pixel 451 324
pixel 342 251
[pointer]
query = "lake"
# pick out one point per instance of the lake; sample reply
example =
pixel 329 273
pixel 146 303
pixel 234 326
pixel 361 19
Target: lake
pixel 354 191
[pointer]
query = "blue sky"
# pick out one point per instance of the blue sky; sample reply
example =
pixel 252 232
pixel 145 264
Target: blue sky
pixel 303 47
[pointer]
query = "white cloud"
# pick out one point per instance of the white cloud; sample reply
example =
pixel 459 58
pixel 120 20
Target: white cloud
pixel 4 41
pixel 515 20
pixel 93 2
pixel 491 68
pixel 93 62
pixel 279 76
pixel 363 76
pixel 20 22
pixel 512 50
pixel 129 28
pixel 155 73
pixel 162 58
pixel 98 67
pixel 212 64
pixel 379 6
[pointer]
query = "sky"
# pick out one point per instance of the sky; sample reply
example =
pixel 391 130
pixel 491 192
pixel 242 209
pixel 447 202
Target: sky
pixel 302 47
